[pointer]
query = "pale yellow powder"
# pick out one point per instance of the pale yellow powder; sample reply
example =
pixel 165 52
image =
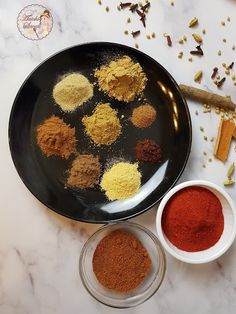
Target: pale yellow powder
pixel 122 79
pixel 72 91
pixel 122 181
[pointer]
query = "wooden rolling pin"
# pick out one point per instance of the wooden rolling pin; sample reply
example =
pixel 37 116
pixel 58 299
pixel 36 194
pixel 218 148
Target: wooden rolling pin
pixel 207 97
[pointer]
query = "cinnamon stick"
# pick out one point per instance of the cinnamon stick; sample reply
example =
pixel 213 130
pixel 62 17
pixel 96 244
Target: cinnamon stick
pixel 225 133
pixel 207 97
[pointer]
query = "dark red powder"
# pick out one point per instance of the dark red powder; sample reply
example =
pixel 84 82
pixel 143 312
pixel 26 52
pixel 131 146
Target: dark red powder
pixel 148 150
pixel 193 220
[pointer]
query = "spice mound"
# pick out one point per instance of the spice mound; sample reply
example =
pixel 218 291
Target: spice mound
pixel 121 181
pixel 72 91
pixel 193 220
pixel 120 262
pixel 143 116
pixel 55 137
pixel 85 172
pixel 122 79
pixel 147 150
pixel 103 126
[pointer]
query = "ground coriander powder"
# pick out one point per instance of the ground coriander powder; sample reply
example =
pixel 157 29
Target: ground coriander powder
pixel 103 126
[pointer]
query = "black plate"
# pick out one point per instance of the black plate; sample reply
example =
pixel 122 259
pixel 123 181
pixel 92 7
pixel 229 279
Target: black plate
pixel 45 177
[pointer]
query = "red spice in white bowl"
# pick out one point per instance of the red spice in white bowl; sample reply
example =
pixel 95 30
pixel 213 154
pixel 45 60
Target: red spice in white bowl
pixel 223 238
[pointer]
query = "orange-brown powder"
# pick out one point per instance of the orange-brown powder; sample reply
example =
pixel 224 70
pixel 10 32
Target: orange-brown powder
pixel 55 137
pixel 143 116
pixel 120 262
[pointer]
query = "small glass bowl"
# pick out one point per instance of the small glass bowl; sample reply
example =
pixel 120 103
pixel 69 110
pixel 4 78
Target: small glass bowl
pixel 151 283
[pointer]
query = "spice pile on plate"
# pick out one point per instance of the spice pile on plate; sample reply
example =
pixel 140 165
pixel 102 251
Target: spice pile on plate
pixel 122 79
pixel 121 262
pixel 55 137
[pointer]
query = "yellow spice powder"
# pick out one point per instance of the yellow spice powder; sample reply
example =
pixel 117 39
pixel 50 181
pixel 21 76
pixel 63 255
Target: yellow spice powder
pixel 72 91
pixel 103 126
pixel 122 79
pixel 122 181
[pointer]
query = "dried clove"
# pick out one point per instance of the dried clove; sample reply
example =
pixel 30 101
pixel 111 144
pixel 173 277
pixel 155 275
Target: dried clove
pixel 141 14
pixel 135 34
pixel 133 7
pixel 169 41
pixel 198 52
pixel 215 71
pixel 221 82
pixel 231 66
pixel 124 5
pixel 146 6
pixel 143 17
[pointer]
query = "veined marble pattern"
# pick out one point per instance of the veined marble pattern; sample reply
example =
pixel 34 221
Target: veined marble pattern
pixel 39 250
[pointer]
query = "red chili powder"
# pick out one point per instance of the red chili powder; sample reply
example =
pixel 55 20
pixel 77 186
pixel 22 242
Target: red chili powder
pixel 193 220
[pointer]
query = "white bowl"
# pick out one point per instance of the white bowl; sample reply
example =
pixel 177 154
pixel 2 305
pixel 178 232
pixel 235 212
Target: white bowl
pixel 226 238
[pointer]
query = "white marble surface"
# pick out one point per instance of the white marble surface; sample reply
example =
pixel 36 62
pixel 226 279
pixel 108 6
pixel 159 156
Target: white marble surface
pixel 39 250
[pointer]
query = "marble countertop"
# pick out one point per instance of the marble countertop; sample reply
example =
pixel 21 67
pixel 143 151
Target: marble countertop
pixel 39 250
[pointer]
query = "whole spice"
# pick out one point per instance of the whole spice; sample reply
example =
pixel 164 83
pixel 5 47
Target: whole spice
pixel 122 79
pixel 231 66
pixel 120 261
pixel 228 181
pixel 193 22
pixel 102 126
pixel 145 7
pixel 224 137
pixel 121 181
pixel 230 171
pixel 143 116
pixel 56 138
pixel 124 5
pixel 198 77
pixel 133 7
pixel 193 220
pixel 215 71
pixel 198 52
pixel 197 38
pixel 143 17
pixel 169 41
pixel 221 82
pixel 148 151
pixel 84 172
pixel 72 91
pixel 135 34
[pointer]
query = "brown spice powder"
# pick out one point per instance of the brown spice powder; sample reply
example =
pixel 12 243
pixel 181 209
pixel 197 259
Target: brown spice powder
pixel 120 262
pixel 85 172
pixel 55 137
pixel 143 116
pixel 148 151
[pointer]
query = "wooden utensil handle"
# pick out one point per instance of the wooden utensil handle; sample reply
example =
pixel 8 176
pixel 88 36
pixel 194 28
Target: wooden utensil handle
pixel 207 97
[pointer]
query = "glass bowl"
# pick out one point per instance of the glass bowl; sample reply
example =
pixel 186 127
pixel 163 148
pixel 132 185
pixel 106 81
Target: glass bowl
pixel 152 281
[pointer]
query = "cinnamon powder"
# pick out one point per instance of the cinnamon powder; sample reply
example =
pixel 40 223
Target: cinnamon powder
pixel 120 262
pixel 55 137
